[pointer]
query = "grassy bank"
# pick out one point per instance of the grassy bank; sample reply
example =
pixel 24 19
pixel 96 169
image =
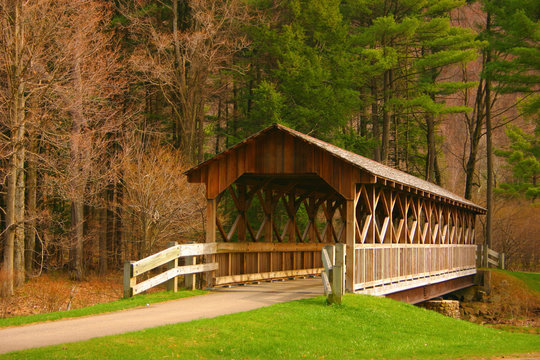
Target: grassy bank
pixel 363 327
pixel 532 280
pixel 139 300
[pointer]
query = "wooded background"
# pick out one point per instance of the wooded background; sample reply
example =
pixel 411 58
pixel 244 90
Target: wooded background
pixel 104 104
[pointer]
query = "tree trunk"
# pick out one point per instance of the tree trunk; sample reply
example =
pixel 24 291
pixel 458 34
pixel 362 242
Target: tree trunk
pixel 31 186
pixel 103 241
pixel 78 183
pixel 431 151
pixel 385 143
pixel 14 246
pixel 474 138
pixel 489 146
pixel 375 121
pixel 77 236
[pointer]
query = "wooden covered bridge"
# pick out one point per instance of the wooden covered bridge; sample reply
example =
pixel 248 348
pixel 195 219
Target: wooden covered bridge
pixel 278 197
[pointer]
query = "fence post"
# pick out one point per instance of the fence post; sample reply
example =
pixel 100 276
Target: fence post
pixel 129 280
pixel 172 284
pixel 479 252
pixel 190 279
pixel 501 261
pixel 486 256
pixel 338 272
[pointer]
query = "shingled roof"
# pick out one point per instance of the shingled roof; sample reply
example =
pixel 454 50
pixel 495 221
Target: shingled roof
pixel 375 168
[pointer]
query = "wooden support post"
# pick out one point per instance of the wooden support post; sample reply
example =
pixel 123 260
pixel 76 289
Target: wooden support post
pixel 350 236
pixel 479 253
pixel 129 280
pixel 210 238
pixel 242 226
pixel 292 213
pixel 268 225
pixel 172 284
pixel 501 261
pixel 190 280
pixel 339 272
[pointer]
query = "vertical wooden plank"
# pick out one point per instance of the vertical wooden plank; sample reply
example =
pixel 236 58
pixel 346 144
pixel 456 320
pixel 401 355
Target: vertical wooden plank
pixel 268 225
pixel 242 226
pixel 288 154
pixel 251 155
pixel 210 238
pixel 241 160
pixel 278 150
pixel 350 236
pixel 222 173
pixel 212 189
pixel 190 279
pixel 129 280
pixel 172 284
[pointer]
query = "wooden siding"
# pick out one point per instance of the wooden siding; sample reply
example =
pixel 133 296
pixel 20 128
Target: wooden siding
pixel 279 153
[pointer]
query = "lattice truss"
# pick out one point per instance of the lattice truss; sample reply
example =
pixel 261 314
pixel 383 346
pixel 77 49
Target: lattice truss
pixel 291 212
pixel 270 211
pixel 387 215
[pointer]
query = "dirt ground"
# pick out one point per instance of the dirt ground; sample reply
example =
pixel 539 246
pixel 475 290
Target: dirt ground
pixel 56 292
pixel 510 305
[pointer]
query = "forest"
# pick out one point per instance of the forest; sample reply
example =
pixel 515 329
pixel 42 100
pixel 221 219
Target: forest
pixel 104 104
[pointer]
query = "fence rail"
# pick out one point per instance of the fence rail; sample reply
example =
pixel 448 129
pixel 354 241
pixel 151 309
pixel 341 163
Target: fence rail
pixel 385 264
pixel 169 256
pixel 254 261
pixel 487 256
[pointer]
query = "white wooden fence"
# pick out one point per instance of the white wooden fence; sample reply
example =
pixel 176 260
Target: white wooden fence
pixel 487 256
pixel 169 256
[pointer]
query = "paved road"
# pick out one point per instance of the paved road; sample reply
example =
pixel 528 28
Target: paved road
pixel 220 302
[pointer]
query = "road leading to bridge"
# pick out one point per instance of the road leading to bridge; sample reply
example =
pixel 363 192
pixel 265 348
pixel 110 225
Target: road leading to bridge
pixel 219 302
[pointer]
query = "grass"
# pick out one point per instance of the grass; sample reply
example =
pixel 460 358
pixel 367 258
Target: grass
pixel 532 280
pixel 139 300
pixel 362 328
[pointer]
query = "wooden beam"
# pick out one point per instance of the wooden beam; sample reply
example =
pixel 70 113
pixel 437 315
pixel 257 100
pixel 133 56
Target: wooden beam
pixel 350 242
pixel 211 214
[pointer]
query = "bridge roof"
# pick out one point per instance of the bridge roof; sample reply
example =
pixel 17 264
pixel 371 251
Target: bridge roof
pixel 381 173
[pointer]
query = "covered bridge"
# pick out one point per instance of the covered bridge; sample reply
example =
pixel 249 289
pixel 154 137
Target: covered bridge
pixel 278 197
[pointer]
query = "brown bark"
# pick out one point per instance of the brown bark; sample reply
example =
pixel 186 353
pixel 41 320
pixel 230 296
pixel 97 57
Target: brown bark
pixel 31 187
pixel 431 151
pixel 489 147
pixel 385 143
pixel 375 120
pixel 79 177
pixel 14 245
pixel 103 241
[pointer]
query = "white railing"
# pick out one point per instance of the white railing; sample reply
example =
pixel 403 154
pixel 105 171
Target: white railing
pixel 387 264
pixel 169 256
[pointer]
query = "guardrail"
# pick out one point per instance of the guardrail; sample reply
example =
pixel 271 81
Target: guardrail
pixel 169 256
pixel 487 256
pixel 333 276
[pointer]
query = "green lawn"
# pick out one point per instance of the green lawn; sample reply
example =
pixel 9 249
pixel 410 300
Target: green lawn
pixel 532 280
pixel 363 327
pixel 139 300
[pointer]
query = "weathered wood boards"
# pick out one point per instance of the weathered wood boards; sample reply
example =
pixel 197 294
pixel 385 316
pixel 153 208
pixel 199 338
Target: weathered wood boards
pixel 333 275
pixel 168 256
pixel 487 257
